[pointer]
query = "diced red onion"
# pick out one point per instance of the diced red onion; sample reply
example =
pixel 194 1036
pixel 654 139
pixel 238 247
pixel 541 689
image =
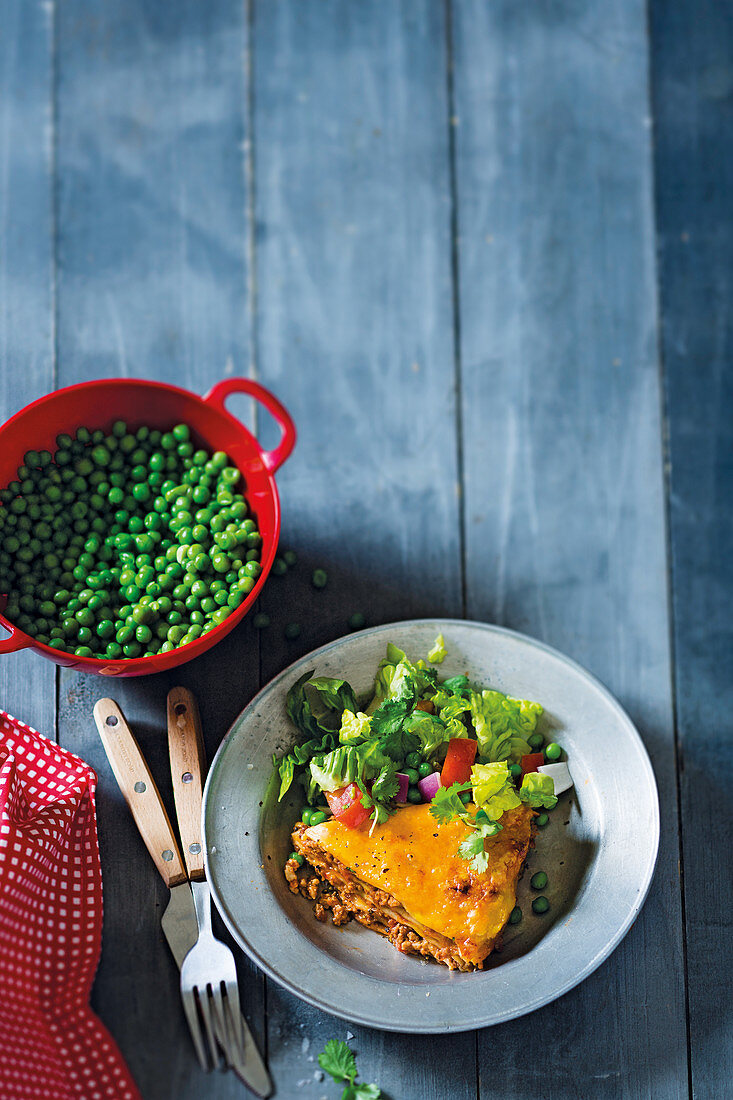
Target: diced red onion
pixel 428 786
pixel 404 782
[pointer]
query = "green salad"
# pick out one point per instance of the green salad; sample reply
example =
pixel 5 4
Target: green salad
pixel 469 751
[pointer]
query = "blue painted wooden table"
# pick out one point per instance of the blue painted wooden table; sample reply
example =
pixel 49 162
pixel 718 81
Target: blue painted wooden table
pixel 482 251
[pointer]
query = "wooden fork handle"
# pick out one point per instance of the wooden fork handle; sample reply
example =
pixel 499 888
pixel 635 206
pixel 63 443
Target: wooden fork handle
pixel 188 764
pixel 141 794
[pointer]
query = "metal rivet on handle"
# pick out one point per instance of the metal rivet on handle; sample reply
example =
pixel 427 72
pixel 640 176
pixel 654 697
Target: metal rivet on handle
pixel 187 777
pixel 167 855
pixel 194 849
pixel 140 787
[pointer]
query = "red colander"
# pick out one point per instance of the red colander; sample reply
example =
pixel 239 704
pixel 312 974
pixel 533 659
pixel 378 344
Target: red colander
pixel 157 405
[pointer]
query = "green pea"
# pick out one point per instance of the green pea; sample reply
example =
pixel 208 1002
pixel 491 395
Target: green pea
pixel 317 818
pixel 412 775
pixel 305 816
pixel 413 760
pixel 132 649
pixel 260 620
pixel 292 631
pixel 425 768
pixel 516 915
pixel 414 796
pixel 319 578
pixel 83 651
pixel 535 741
pixel 297 857
pixel 357 621
pixel 538 881
pixel 105 628
pixel 540 904
pixel 515 770
pixel 541 820
pixel 143 634
pixel 553 751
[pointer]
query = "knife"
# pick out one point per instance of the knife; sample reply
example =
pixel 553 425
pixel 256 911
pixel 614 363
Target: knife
pixel 188 762
pixel 179 923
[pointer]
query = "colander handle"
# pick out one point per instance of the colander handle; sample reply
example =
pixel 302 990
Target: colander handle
pixel 217 396
pixel 15 641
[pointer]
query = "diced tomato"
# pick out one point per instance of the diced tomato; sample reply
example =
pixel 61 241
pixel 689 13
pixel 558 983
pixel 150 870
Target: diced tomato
pixel 458 761
pixel 346 805
pixel 532 762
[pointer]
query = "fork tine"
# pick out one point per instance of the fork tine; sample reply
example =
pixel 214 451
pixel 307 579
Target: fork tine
pixel 205 1006
pixel 189 1007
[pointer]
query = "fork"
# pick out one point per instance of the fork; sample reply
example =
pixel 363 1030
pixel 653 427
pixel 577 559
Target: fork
pixel 209 988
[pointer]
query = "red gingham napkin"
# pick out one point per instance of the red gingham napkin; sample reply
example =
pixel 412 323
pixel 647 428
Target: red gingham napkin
pixel 52 1046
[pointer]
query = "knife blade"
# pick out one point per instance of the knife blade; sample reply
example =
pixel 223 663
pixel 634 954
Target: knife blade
pixel 179 923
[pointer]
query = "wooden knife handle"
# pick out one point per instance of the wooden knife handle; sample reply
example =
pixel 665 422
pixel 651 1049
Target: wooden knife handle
pixel 188 763
pixel 140 791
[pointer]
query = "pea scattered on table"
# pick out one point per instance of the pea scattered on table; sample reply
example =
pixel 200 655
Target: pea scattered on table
pixel 290 558
pixel 125 544
pixel 260 620
pixel 516 915
pixel 319 578
pixel 279 567
pixel 356 621
pixel 540 904
pixel 538 881
pixel 292 631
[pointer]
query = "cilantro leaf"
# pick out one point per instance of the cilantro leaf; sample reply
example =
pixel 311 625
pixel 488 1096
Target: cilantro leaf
pixel 362 1092
pixel 446 804
pixel 389 716
pixel 338 1060
pixel 471 846
pixel 480 862
pixel 385 786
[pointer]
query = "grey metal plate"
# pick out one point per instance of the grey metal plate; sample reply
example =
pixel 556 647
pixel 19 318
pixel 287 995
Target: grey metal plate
pixel 599 850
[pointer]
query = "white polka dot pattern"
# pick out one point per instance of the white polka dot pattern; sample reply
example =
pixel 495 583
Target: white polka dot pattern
pixel 53 1046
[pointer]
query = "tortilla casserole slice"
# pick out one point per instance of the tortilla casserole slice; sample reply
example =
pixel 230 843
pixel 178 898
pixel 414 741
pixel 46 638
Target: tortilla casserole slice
pixel 407 881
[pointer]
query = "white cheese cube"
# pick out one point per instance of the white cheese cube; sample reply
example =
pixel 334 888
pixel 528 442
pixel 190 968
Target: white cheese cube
pixel 559 774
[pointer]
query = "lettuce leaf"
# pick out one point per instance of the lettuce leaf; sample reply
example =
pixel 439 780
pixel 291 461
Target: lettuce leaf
pixel 450 705
pixel 438 652
pixel 286 770
pixel 335 769
pixel 493 790
pixel 431 731
pixel 354 727
pixel 398 678
pixel 503 724
pixel 538 790
pixel 315 705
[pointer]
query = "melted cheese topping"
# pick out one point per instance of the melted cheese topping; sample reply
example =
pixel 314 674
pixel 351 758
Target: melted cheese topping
pixel 416 860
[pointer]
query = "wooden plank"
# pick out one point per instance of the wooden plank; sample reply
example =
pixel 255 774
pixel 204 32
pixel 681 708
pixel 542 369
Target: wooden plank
pixel 153 282
pixel 564 506
pixel 26 277
pixel 354 329
pixel 691 88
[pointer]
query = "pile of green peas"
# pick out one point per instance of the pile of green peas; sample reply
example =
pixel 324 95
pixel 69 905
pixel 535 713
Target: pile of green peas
pixel 125 544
